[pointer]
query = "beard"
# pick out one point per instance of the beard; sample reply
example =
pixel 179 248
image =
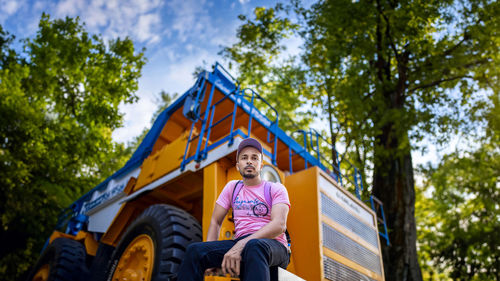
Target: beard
pixel 247 175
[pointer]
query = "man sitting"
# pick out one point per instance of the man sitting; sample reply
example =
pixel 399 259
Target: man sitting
pixel 260 240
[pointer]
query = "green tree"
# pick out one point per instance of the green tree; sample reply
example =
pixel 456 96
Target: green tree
pixel 458 220
pixel 387 74
pixel 255 57
pixel 58 107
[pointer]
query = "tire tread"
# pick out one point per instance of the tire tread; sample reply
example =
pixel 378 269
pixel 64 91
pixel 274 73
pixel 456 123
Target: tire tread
pixel 177 229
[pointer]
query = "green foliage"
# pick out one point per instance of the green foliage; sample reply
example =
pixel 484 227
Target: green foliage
pixel 394 64
pixel 459 219
pixel 259 62
pixel 385 75
pixel 58 107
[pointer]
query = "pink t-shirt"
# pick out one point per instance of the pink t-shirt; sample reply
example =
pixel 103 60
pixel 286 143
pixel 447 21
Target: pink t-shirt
pixel 251 212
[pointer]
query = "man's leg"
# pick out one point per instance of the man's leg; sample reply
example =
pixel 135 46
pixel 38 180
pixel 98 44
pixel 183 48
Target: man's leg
pixel 200 256
pixel 259 255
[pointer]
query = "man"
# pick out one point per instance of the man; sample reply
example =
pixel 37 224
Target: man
pixel 260 240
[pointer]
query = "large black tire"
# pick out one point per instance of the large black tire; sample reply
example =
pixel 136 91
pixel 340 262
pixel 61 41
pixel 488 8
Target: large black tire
pixel 65 259
pixel 171 230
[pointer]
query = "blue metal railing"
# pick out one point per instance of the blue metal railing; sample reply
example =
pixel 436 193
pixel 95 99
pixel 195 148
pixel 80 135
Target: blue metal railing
pixel 207 123
pixel 376 206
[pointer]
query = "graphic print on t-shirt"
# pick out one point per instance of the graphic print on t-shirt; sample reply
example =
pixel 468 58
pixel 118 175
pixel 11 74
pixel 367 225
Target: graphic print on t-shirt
pixel 253 208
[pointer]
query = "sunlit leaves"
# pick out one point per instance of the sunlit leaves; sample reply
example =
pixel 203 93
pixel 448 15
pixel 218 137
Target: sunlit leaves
pixel 382 76
pixel 460 236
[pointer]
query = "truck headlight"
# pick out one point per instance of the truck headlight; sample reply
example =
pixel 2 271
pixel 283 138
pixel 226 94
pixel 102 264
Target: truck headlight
pixel 269 173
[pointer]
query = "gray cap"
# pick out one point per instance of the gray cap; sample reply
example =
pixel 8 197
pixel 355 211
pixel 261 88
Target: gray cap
pixel 249 142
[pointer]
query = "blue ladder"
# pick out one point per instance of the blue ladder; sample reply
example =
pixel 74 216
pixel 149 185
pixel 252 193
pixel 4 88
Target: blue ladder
pixel 378 205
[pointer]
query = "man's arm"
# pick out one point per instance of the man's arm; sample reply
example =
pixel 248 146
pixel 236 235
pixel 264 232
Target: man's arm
pixel 216 222
pixel 277 225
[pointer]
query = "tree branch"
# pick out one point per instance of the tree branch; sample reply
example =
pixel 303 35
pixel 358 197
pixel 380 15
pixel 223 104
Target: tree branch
pixel 388 33
pixel 447 52
pixel 453 48
pixel 437 82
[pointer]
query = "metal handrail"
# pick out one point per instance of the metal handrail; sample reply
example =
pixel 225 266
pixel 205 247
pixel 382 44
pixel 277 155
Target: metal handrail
pixel 208 115
pixel 219 66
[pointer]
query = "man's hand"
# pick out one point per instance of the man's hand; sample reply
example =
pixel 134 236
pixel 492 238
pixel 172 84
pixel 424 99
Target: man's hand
pixel 212 271
pixel 232 259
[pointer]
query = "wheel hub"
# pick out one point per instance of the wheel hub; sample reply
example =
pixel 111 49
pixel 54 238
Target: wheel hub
pixel 136 262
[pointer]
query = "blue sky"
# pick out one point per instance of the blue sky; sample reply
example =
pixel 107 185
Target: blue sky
pixel 178 35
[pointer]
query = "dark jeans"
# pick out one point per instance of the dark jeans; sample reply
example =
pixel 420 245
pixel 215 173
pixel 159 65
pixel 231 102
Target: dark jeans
pixel 257 256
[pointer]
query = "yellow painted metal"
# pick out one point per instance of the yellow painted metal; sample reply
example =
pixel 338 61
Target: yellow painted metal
pixel 118 225
pixel 233 174
pixel 84 237
pixel 163 161
pixel 214 179
pixel 42 274
pixel 137 261
pixel 352 235
pixel 303 224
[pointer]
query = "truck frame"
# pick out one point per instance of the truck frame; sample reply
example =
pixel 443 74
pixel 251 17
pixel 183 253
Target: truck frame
pixel 137 224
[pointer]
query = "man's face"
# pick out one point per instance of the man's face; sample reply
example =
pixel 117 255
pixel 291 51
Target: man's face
pixel 249 162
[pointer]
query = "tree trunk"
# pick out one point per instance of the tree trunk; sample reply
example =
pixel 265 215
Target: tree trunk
pixel 333 135
pixel 393 184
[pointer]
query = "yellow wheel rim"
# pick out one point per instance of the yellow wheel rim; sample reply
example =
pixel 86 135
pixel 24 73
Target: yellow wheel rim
pixel 42 274
pixel 136 262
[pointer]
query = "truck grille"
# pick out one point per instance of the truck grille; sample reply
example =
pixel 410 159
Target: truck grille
pixel 338 272
pixel 348 248
pixel 339 215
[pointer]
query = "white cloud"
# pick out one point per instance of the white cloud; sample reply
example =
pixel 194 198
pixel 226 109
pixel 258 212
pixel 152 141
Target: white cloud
pixel 71 8
pixel 243 2
pixel 190 19
pixel 9 7
pixel 143 29
pixel 137 117
pixel 139 19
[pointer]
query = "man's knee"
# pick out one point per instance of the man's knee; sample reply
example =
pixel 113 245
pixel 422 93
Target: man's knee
pixel 195 251
pixel 255 246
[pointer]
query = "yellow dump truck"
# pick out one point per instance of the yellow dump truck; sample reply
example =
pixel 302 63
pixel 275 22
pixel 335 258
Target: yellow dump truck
pixel 137 224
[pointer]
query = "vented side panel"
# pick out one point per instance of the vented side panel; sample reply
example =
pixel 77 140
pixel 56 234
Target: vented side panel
pixel 338 272
pixel 348 248
pixel 339 215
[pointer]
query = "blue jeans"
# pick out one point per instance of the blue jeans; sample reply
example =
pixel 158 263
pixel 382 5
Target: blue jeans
pixel 257 256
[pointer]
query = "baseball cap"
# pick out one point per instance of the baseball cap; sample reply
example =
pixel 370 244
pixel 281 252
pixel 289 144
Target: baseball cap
pixel 249 142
